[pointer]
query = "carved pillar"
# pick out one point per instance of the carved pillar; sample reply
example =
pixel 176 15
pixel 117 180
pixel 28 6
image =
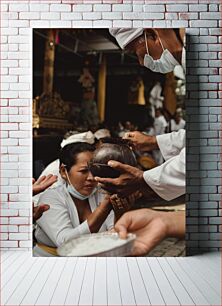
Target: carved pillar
pixel 102 89
pixel 170 99
pixel 48 74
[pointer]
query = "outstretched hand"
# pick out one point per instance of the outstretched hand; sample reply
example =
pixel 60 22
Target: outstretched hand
pixel 130 180
pixel 43 183
pixel 141 141
pixel 150 227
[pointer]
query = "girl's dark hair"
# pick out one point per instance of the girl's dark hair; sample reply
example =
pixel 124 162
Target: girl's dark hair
pixel 68 154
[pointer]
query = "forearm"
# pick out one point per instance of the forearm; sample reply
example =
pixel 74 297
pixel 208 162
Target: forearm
pixel 98 217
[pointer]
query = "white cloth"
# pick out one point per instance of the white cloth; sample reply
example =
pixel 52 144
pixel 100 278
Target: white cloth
pixel 169 179
pixel 61 222
pixel 160 125
pixel 156 100
pixel 87 137
pixel 177 126
pixel 101 133
pixel 125 35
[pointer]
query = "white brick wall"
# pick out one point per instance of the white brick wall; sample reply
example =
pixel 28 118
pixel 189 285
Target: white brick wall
pixel 202 19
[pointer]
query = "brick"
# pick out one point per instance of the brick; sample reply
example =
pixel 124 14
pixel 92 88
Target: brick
pixel 18 7
pixel 9 126
pixel 137 23
pixel 138 15
pixel 213 7
pixel 19 102
pixel 9 31
pixel 18 150
pixel 188 16
pixel 39 23
pixel 18 220
pixel 71 16
pixel 24 212
pixel 121 7
pixel 173 16
pixel 214 47
pixel 60 8
pixel 102 7
pixel 203 23
pixel 39 7
pixel 51 16
pixel 83 8
pixel 13 47
pixel 215 63
pixel 8 244
pixel 18 23
pixel 122 23
pixel 92 15
pixel 29 15
pixel 19 236
pixel 9 212
pixel 137 8
pixel 60 24
pixel 25 244
pixel 162 23
pixel 200 236
pixel 25 229
pixel 154 8
pixel 210 15
pixel 177 8
pixel 9 63
pixel 18 118
pixel 210 244
pixel 83 24
pixel 112 15
pixel 102 23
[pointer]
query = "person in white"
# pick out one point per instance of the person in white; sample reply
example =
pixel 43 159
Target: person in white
pixel 76 207
pixel 160 125
pixel 160 50
pixel 155 99
pixel 53 167
pixel 177 123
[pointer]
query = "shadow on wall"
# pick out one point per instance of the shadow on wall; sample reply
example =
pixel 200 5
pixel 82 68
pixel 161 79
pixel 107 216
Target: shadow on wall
pixel 193 172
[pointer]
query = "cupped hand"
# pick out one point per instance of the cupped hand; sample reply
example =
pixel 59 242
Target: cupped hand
pixel 150 227
pixel 130 180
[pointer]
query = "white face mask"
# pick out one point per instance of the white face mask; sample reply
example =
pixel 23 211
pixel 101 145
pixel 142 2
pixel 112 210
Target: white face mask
pixel 164 64
pixel 72 190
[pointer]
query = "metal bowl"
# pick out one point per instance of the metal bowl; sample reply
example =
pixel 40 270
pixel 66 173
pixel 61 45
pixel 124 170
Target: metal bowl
pixel 117 247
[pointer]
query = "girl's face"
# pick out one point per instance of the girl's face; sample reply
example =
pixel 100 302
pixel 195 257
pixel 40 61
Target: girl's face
pixel 79 175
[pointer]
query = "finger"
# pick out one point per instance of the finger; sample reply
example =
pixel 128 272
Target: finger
pixel 33 181
pixel 119 166
pixel 40 179
pixel 121 230
pixel 105 180
pixel 39 210
pixel 128 135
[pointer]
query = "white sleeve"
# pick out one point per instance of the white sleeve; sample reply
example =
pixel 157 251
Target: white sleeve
pixel 56 222
pixel 171 144
pixel 110 221
pixel 169 179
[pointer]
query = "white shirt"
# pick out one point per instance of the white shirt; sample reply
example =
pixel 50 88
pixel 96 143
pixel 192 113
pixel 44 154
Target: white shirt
pixel 61 222
pixel 177 126
pixel 160 125
pixel 169 179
